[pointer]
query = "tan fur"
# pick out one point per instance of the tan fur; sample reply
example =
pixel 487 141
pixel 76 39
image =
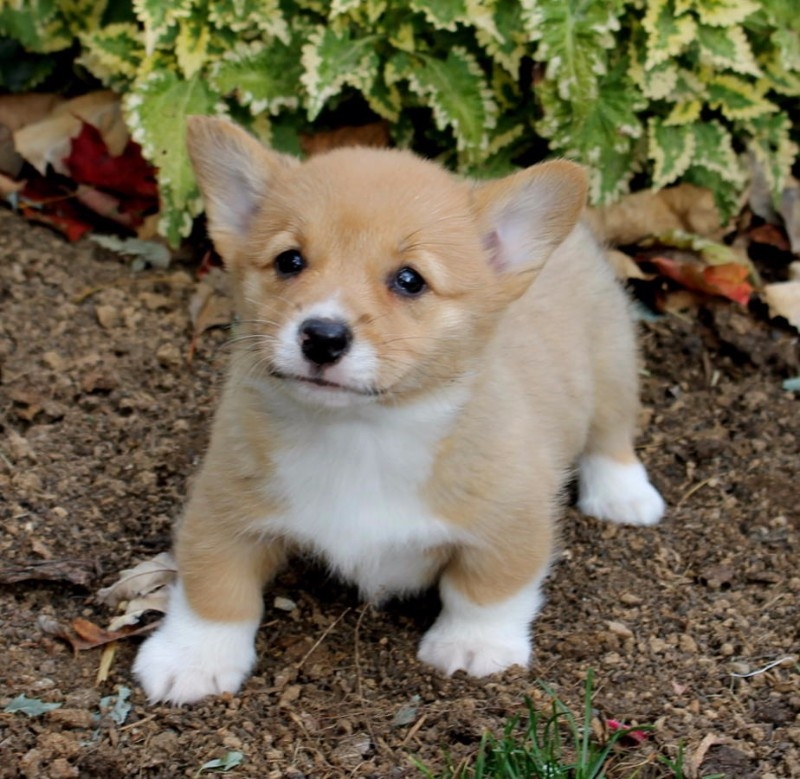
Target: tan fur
pixel 550 365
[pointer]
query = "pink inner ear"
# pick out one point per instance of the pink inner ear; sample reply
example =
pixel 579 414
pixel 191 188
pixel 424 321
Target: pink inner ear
pixel 491 243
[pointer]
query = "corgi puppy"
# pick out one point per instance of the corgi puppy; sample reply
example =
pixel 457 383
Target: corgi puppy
pixel 420 362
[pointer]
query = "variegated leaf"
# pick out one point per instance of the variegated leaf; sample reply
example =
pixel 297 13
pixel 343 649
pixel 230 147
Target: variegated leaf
pixel 402 37
pixel 726 47
pixel 668 35
pixel 113 53
pixel 787 42
pixel 671 148
pixel 365 13
pixel 455 89
pixel 714 150
pixel 506 41
pixel 658 82
pixel 332 60
pixel 602 134
pixel 81 15
pixel 505 146
pixel 385 99
pixel 773 147
pixel 573 39
pixel 783 81
pixel 249 18
pixel 724 13
pixel 441 14
pixel 263 77
pixel 191 45
pixel 158 19
pixel 36 24
pixel 737 98
pixel 156 111
pixel 341 7
pixel 689 86
pixel 684 112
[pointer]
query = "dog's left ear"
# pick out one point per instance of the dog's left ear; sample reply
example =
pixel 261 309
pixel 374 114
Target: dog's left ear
pixel 526 215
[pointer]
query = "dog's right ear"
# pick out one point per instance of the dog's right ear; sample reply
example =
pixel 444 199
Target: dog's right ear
pixel 234 172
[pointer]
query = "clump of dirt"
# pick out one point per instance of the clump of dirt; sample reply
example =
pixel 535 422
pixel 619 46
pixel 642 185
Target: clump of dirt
pixel 103 420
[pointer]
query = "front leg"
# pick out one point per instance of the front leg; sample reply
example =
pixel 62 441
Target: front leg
pixel 489 600
pixel 206 644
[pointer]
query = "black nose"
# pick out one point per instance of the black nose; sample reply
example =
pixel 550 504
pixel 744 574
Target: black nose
pixel 324 341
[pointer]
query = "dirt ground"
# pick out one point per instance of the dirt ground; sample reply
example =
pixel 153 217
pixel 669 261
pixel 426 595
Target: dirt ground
pixel 102 421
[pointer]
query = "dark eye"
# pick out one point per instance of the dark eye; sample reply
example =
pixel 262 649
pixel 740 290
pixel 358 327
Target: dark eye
pixel 408 282
pixel 289 263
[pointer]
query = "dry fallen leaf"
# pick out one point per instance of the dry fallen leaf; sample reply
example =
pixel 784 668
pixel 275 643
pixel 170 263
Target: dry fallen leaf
pixel 783 299
pixel 139 590
pixel 17 111
pixel 157 600
pixel 141 580
pixel 48 142
pixel 8 186
pixel 82 634
pixel 624 265
pixel 375 134
pixel 650 212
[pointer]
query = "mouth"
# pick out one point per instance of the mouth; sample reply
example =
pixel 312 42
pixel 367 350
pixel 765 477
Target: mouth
pixel 318 381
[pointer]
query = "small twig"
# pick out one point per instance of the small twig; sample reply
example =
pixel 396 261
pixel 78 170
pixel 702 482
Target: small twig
pixel 414 730
pixel 691 491
pixel 767 667
pixel 138 722
pixel 106 661
pixel 324 635
pixel 5 459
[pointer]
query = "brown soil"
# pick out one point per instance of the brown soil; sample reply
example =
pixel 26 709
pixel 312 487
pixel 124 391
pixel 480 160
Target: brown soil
pixel 102 420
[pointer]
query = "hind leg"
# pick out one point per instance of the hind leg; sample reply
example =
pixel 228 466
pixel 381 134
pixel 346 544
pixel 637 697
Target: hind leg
pixel 612 482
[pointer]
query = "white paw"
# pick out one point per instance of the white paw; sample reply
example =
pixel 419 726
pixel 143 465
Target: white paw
pixel 189 657
pixel 478 639
pixel 449 648
pixel 616 492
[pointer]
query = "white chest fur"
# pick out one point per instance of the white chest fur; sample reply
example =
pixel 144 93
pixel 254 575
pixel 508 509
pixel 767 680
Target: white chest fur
pixel 353 481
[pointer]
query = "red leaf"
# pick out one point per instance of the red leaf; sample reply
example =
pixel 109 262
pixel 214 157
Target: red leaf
pixel 728 280
pixel 42 200
pixel 128 175
pixel 71 229
pixel 636 736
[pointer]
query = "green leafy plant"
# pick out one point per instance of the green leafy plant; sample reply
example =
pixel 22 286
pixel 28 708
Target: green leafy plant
pixel 542 745
pixel 556 744
pixel 651 91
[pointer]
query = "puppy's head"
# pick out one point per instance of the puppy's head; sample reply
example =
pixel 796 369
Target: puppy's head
pixel 369 275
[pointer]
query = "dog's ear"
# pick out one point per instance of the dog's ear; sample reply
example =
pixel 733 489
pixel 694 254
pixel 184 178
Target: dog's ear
pixel 234 172
pixel 525 216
